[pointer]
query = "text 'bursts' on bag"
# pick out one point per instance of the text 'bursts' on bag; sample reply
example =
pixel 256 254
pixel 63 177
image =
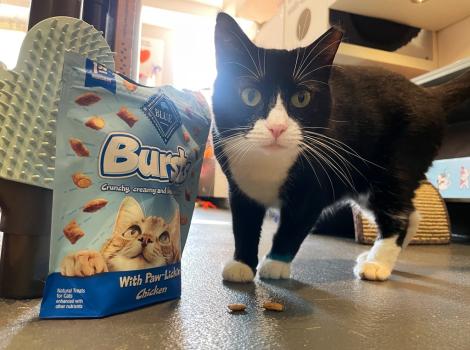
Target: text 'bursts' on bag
pixel 127 169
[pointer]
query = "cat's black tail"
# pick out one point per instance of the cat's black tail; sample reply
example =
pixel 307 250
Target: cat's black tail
pixel 455 97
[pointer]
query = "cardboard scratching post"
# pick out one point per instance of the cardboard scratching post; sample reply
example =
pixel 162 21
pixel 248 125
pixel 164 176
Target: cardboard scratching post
pixel 433 228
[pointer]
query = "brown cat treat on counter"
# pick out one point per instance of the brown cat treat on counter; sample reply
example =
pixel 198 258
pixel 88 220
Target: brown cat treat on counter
pixel 78 147
pixel 127 116
pixel 272 306
pixel 81 180
pixel 95 122
pixel 73 232
pixel 87 99
pixel 236 307
pixel 94 205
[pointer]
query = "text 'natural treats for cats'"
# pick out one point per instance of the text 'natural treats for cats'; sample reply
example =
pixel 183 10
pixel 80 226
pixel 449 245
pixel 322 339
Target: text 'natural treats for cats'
pixel 127 166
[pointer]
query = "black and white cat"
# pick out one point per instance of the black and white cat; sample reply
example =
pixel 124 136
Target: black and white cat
pixel 295 131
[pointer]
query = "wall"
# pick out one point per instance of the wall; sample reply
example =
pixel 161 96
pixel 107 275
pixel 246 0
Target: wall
pixel 284 24
pixel 150 31
pixel 319 23
pixel 271 33
pixel 454 42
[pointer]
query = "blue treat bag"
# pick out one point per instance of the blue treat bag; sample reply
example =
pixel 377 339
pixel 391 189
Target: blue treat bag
pixel 128 160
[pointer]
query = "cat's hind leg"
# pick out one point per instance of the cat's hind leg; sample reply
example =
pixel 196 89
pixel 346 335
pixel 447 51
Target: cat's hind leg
pixel 395 232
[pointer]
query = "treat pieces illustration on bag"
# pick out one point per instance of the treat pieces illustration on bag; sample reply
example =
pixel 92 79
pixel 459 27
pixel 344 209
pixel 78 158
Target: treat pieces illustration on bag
pixel 137 242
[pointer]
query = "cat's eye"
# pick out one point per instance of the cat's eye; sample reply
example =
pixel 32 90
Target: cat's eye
pixel 132 231
pixel 164 237
pixel 251 97
pixel 300 99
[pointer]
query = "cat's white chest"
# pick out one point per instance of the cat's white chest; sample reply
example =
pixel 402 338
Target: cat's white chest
pixel 260 175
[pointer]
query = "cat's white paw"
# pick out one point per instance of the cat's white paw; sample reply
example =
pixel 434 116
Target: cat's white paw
pixel 274 269
pixel 372 270
pixel 236 271
pixel 377 264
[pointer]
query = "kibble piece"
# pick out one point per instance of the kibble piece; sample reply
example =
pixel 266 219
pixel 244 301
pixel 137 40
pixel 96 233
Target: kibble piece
pixel 95 123
pixel 81 180
pixel 236 307
pixel 87 99
pixel 73 232
pixel 272 306
pixel 127 116
pixel 78 147
pixel 94 205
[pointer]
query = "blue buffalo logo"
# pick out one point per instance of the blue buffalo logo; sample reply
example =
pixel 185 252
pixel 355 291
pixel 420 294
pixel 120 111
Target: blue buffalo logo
pixel 163 114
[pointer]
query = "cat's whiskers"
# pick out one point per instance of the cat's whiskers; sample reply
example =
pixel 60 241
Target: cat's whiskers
pixel 233 148
pixel 347 164
pixel 249 53
pixel 328 147
pixel 307 151
pixel 316 56
pixel 302 156
pixel 311 83
pixel 300 70
pixel 227 143
pixel 332 164
pixel 237 150
pixel 295 65
pixel 315 127
pixel 346 148
pixel 253 74
pixel 232 130
pixel 341 164
pixel 226 140
pixel 301 78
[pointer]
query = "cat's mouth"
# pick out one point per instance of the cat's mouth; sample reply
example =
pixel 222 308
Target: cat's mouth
pixel 274 147
pixel 139 255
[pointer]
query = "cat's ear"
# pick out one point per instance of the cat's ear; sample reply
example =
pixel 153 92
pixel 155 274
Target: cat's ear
pixel 322 51
pixel 231 43
pixel 129 212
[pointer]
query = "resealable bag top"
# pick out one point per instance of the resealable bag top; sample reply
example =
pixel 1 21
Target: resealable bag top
pixel 128 160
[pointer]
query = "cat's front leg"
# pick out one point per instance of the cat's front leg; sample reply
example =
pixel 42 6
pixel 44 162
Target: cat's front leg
pixel 295 225
pixel 83 263
pixel 247 217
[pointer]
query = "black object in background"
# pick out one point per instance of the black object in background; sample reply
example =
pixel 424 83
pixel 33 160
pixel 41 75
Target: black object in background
pixel 372 32
pixel 459 220
pixel 26 226
pixel 102 15
pixel 42 9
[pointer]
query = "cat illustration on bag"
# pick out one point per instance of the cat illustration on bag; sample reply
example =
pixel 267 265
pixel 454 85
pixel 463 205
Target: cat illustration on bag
pixel 137 242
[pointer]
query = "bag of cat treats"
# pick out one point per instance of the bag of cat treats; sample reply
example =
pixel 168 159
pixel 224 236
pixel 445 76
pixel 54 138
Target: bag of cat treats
pixel 128 159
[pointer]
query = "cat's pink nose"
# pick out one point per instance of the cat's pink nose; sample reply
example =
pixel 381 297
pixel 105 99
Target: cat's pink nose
pixel 277 129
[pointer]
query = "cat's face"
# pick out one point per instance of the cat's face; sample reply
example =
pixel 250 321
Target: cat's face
pixel 150 239
pixel 270 101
